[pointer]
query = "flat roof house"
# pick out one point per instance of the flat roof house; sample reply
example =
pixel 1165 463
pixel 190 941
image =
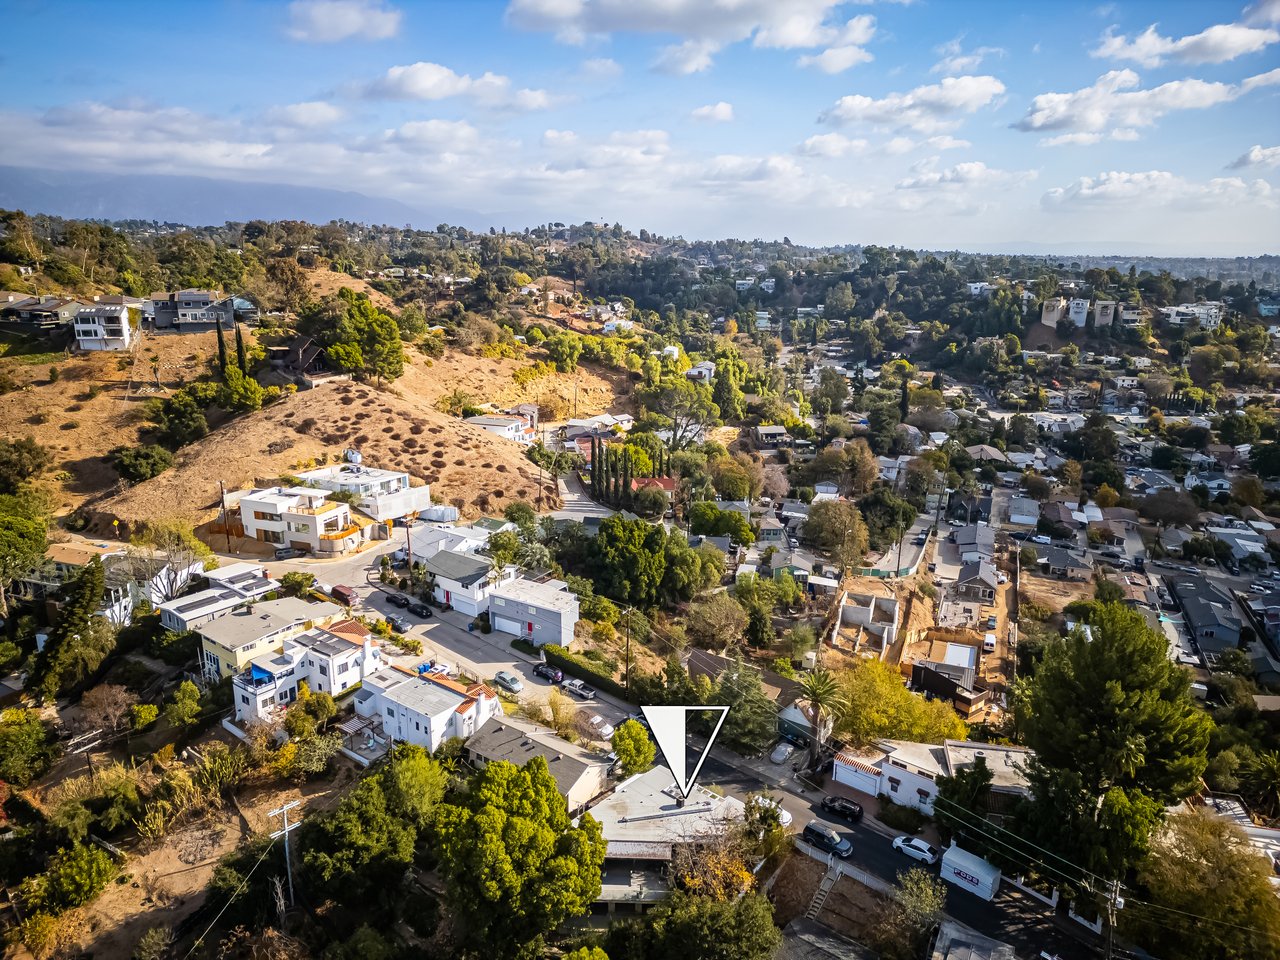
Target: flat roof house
pixel 771 436
pixel 424 709
pixel 304 518
pixel 540 612
pixel 103 328
pixel 580 775
pixel 192 310
pixel 517 429
pixel 230 587
pixel 230 641
pixel 384 494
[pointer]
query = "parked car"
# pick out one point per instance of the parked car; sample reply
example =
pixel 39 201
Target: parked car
pixel 399 600
pixel 548 672
pixel 1041 539
pixel 421 610
pixel 917 849
pixel 843 807
pixel 991 622
pixel 600 728
pixel 288 553
pixel 345 595
pixel 783 752
pixel 578 689
pixel 508 681
pixel 398 624
pixel 818 834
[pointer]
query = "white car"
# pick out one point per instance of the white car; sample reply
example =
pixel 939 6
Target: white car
pixel 600 728
pixel 1041 539
pixel 768 803
pixel 783 752
pixel 508 681
pixel 916 849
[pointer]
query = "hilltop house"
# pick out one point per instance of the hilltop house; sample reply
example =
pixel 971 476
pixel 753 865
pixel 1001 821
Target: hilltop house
pixel 192 310
pixel 103 328
pixel 306 519
pixel 384 494
pixel 230 588
pixel 518 429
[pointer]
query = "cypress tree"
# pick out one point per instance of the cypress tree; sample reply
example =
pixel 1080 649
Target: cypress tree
pixel 595 467
pixel 222 351
pixel 626 477
pixel 242 361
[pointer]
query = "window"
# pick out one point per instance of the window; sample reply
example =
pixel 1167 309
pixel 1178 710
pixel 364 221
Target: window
pixel 417 726
pixel 894 784
pixel 344 684
pixel 923 795
pixel 390 712
pixel 244 698
pixel 324 671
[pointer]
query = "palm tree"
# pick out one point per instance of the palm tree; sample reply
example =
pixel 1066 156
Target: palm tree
pixel 823 693
pixel 1261 781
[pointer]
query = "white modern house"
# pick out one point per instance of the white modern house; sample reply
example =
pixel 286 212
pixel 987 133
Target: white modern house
pixel 1053 310
pixel 541 613
pixel 1078 311
pixel 424 709
pixel 509 428
pixel 103 328
pixel 384 494
pixel 425 542
pixel 704 371
pixel 230 587
pixel 230 641
pixel 908 772
pixel 304 518
pixel 465 580
pixel 329 660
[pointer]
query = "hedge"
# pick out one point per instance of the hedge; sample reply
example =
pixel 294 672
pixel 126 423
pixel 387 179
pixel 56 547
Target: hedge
pixel 573 664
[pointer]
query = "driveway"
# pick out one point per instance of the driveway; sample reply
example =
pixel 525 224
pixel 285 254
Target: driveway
pixel 576 505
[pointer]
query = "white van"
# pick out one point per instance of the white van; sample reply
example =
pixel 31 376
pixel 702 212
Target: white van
pixel 989 643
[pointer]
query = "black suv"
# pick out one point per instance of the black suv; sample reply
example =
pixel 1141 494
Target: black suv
pixel 399 600
pixel 819 835
pixel 421 610
pixel 548 672
pixel 843 808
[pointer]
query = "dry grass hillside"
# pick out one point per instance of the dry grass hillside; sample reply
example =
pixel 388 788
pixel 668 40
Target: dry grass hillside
pixel 323 283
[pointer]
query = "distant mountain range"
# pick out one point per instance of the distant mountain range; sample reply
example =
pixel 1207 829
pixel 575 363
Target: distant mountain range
pixel 206 201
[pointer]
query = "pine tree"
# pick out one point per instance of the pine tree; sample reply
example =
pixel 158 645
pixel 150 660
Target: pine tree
pixel 222 350
pixel 242 360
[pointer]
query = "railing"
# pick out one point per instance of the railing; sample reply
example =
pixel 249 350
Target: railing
pixel 341 534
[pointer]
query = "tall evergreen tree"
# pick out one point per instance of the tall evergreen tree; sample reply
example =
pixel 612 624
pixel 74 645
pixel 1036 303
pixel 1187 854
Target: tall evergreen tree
pixel 242 360
pixel 904 401
pixel 626 478
pixel 222 350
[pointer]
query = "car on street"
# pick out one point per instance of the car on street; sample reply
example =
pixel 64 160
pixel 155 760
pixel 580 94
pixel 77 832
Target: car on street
pixel 818 834
pixel 548 672
pixel 770 804
pixel 288 553
pixel 601 729
pixel 842 807
pixel 399 600
pixel 421 610
pixel 783 752
pixel 578 689
pixel 508 681
pixel 917 849
pixel 991 622
pixel 398 624
pixel 1041 539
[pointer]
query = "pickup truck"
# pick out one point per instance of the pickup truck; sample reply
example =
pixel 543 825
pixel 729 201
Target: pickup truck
pixel 578 689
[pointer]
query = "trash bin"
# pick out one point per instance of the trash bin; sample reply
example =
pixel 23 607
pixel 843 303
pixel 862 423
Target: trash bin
pixel 471 628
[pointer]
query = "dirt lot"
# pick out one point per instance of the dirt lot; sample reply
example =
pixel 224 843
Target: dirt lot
pixel 1053 593
pixel 851 909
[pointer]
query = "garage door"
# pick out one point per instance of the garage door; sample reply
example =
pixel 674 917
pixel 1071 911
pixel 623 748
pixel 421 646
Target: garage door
pixel 858 776
pixel 463 605
pixel 507 625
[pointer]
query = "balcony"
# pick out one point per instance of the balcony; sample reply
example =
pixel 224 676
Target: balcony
pixel 339 534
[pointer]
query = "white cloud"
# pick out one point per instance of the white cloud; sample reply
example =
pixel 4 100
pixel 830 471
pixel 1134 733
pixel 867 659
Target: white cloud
pixel 1113 102
pixel 310 115
pixel 1257 156
pixel 955 61
pixel 330 21
pixel 453 136
pixel 1217 44
pixel 559 138
pixel 601 68
pixel 848 50
pixel 974 174
pixel 1159 188
pixel 432 81
pixel 1088 139
pixel 926 109
pixel 831 145
pixel 714 113
pixel 1264 11
pixel 702 29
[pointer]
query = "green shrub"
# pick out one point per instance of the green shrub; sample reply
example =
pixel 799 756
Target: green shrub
pixel 142 715
pixel 898 817
pixel 141 463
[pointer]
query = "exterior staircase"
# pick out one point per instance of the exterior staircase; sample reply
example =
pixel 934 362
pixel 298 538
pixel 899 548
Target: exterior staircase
pixel 824 889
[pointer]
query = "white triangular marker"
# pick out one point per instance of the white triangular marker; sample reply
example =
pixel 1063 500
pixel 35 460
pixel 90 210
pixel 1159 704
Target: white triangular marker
pixel 668 725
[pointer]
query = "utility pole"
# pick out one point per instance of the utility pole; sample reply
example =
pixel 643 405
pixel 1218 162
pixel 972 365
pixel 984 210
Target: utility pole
pixel 1114 902
pixel 288 864
pixel 222 499
pixel 627 675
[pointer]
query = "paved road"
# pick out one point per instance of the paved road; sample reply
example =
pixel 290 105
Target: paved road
pixel 576 505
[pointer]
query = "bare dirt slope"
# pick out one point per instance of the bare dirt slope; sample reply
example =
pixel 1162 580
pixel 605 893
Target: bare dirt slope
pixel 322 283
pixel 94 405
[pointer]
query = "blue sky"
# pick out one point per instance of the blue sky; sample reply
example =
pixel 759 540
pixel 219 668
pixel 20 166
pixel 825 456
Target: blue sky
pixel 929 123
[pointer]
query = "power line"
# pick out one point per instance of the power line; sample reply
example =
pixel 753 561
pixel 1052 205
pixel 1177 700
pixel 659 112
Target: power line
pixel 230 900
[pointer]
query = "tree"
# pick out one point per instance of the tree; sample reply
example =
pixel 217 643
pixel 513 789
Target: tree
pixel 863 467
pixel 717 621
pixel 75 876
pixel 887 517
pixel 909 918
pixel 80 639
pixel 1106 496
pixel 1169 508
pixel 650 502
pixel 726 393
pixel 359 849
pixel 141 463
pixel 1210 893
pixel 836 528
pixel 107 705
pixel 297 584
pixel 414 784
pixel 515 864
pixel 242 360
pixel 1261 781
pixel 1249 491
pixel 20 460
pixel 634 748
pixel 240 393
pixel 706 519
pixel 184 709
pixel 629 560
pixel 752 721
pixel 222 348
pixel 164 552
pixel 878 706
pixel 182 420
pixel 23 543
pixel 686 406
pixel 564 349
pixel 690 927
pixel 822 692
pixel 26 748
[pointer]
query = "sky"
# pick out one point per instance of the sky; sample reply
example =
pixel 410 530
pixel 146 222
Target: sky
pixel 983 124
